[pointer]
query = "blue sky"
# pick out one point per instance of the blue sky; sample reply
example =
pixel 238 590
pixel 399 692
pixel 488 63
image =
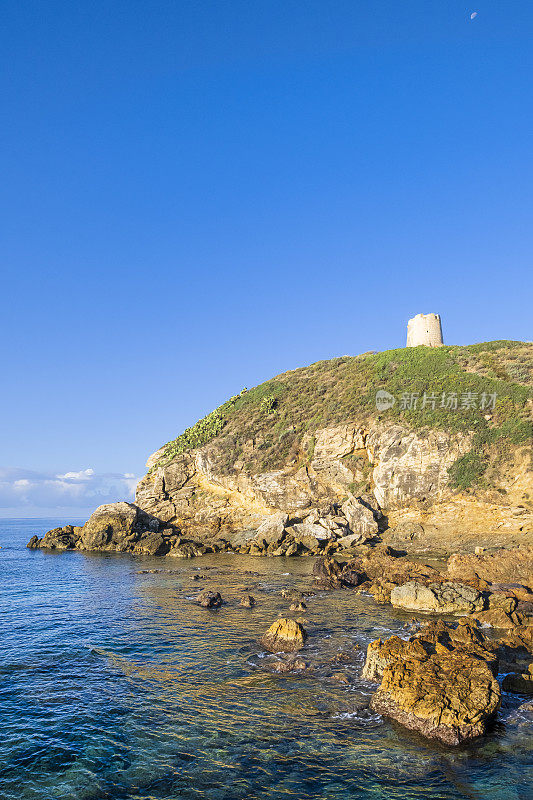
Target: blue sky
pixel 197 196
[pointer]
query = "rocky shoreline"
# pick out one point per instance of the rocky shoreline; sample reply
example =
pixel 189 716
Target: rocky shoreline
pixel 441 681
pixel 285 471
pixel 127 528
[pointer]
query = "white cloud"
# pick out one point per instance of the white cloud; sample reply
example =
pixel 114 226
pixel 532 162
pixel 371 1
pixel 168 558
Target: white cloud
pixel 83 474
pixel 24 489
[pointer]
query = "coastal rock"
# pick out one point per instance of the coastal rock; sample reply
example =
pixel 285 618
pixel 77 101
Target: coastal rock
pixel 205 494
pixel 502 600
pixel 512 565
pixel 111 524
pixel 121 527
pixel 435 684
pixel 352 540
pixel 520 635
pixel 176 474
pixel 282 490
pixel 494 618
pixel 186 550
pixel 209 599
pixel 438 598
pixel 327 572
pixel 352 577
pixel 447 697
pixel 338 441
pixel 298 606
pixel 360 518
pixel 152 460
pixel 243 473
pixel 272 530
pixel 408 531
pixel 291 665
pixel 154 544
pixel 519 683
pixel 294 595
pixel 118 527
pixel 308 537
pixel 386 568
pixel 522 716
pixel 309 530
pixel 247 601
pixel 465 636
pixel 331 445
pixel 65 538
pixel 284 635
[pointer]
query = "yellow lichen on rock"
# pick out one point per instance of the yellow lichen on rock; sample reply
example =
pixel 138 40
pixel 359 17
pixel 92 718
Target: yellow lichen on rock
pixel 285 636
pixel 440 683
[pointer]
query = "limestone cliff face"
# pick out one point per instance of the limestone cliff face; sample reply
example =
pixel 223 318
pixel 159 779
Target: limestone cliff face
pixel 407 472
pixel 408 466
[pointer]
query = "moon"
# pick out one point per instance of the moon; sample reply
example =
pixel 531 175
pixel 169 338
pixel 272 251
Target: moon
pixel 473 15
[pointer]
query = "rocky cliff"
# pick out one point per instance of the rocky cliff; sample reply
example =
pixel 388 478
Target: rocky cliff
pixel 308 463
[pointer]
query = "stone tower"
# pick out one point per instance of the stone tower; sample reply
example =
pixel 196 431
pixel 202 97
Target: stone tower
pixel 424 329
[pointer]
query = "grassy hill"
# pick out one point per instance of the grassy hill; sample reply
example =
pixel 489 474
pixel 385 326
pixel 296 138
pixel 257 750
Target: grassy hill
pixel 280 411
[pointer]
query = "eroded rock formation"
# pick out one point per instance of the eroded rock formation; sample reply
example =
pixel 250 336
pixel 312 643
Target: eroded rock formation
pixel 439 683
pixel 284 636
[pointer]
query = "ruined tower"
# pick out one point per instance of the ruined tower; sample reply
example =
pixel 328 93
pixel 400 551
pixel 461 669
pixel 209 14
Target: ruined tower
pixel 424 329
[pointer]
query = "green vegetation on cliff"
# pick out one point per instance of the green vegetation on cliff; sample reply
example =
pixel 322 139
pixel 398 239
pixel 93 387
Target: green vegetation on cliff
pixel 483 388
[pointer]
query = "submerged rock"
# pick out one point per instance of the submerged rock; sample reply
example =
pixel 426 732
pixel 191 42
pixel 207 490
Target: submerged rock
pixel 284 636
pixel 298 606
pixel 292 665
pixel 247 601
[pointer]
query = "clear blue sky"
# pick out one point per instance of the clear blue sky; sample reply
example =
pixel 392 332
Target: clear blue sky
pixel 197 196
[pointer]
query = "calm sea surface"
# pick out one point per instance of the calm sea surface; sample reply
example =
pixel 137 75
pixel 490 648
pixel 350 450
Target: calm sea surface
pixel 114 684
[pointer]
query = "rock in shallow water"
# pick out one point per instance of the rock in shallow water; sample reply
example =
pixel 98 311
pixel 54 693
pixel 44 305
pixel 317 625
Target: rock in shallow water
pixel 521 683
pixel 284 636
pixel 64 538
pixel 113 527
pixel 209 599
pixel 298 606
pixel 440 683
pixel 292 665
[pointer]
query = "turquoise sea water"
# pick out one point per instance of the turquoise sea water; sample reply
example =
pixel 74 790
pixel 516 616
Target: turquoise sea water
pixel 115 685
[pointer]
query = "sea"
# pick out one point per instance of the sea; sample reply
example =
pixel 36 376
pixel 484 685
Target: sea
pixel 116 685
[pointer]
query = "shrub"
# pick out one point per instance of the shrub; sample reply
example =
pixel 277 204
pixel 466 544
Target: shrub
pixel 201 432
pixel 268 404
pixel 467 470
